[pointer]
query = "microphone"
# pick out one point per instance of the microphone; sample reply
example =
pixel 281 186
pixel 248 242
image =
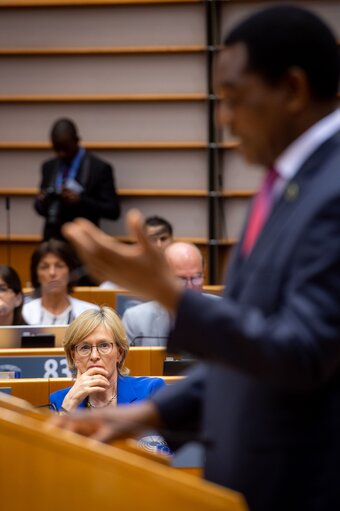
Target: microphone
pixel 149 340
pixel 8 228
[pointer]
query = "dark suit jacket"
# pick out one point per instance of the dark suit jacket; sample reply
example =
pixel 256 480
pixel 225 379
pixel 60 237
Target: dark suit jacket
pixel 98 199
pixel 268 402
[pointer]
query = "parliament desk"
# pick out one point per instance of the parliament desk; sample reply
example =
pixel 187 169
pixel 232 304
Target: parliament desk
pixel 51 362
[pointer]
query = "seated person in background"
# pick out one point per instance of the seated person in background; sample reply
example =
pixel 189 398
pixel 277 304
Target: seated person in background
pixel 159 231
pixel 148 324
pixel 96 347
pixel 10 297
pixel 75 184
pixel 51 267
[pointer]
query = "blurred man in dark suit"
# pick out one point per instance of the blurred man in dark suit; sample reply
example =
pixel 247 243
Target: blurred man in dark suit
pixel 75 184
pixel 266 402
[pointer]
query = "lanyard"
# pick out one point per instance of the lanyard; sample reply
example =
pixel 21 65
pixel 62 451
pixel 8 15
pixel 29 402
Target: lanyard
pixel 54 319
pixel 73 171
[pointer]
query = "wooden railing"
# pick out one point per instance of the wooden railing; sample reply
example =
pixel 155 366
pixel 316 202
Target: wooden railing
pixel 102 98
pixel 141 192
pixel 83 3
pixel 36 391
pixel 103 50
pixel 37 455
pixel 141 361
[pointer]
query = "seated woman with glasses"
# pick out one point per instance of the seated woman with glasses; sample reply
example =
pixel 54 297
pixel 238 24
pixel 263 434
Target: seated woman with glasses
pixel 96 347
pixel 10 297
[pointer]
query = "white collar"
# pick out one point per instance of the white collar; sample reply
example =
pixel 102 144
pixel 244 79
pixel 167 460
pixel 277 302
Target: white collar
pixel 292 158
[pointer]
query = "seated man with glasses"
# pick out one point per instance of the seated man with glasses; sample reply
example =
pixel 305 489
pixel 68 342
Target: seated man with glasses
pixel 148 324
pixel 96 347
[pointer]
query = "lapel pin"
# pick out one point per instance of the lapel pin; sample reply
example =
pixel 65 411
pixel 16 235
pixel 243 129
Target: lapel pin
pixel 292 192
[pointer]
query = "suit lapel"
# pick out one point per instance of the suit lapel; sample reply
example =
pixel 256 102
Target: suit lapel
pixel 237 260
pixel 53 174
pixel 282 213
pixel 84 171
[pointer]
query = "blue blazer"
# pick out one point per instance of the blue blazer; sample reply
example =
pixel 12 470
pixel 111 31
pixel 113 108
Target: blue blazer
pixel 129 389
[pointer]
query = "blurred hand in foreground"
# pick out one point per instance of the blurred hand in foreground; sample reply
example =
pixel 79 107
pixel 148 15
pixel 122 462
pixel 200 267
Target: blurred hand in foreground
pixel 140 267
pixel 111 423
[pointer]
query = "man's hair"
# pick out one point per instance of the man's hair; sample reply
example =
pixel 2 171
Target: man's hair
pixel 281 37
pixel 62 127
pixel 183 246
pixel 157 221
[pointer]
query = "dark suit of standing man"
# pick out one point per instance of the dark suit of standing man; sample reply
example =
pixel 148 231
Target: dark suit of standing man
pixel 75 184
pixel 267 400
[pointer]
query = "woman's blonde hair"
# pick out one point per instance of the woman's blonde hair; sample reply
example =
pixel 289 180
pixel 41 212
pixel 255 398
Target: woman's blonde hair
pixel 86 323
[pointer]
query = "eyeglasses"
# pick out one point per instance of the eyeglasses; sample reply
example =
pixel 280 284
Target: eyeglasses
pixel 195 281
pixel 85 350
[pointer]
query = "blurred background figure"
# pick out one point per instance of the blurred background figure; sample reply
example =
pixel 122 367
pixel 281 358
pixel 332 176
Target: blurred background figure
pixel 51 267
pixel 74 184
pixel 148 324
pixel 159 231
pixel 96 347
pixel 11 298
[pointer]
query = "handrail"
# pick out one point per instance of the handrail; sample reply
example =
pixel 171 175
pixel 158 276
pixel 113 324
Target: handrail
pixel 141 192
pixel 125 192
pixel 36 238
pixel 87 3
pixel 118 146
pixel 147 145
pixel 101 50
pixel 107 98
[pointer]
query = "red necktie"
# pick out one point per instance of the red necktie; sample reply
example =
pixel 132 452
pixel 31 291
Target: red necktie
pixel 259 212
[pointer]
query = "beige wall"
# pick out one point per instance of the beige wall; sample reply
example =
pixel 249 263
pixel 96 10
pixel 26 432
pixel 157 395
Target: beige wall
pixel 103 26
pixel 109 74
pixel 138 73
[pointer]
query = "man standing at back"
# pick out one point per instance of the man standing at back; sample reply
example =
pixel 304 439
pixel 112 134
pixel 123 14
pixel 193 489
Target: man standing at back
pixel 75 184
pixel 267 399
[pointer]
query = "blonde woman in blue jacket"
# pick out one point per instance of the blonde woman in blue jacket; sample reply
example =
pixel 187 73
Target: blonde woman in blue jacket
pixel 96 347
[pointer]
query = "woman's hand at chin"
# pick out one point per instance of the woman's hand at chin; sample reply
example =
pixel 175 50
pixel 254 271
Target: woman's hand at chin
pixel 91 381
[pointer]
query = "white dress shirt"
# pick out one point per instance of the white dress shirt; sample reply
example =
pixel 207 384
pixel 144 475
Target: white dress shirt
pixel 293 157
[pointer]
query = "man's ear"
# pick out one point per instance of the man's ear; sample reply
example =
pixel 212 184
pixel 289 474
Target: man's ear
pixel 18 300
pixel 298 90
